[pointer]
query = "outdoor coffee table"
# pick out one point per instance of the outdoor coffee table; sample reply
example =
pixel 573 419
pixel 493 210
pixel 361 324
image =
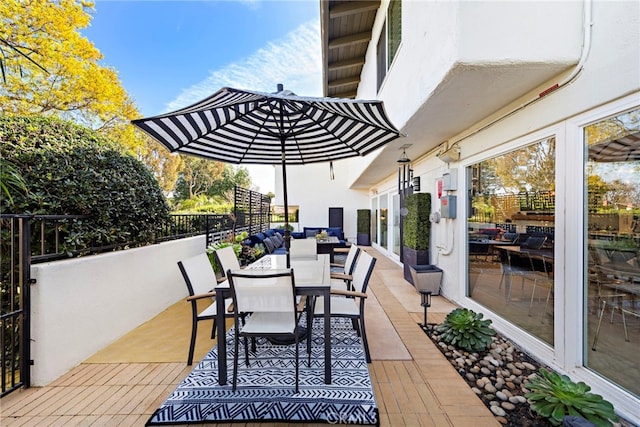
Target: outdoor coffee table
pixel 312 277
pixel 327 245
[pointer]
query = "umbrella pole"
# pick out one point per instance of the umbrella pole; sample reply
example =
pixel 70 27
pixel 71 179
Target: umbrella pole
pixel 287 233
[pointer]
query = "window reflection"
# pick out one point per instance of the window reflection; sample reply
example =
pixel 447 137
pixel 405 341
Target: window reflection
pixel 511 236
pixel 612 311
pixel 384 220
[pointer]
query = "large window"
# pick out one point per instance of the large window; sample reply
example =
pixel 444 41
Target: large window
pixel 612 240
pixel 511 236
pixel 389 40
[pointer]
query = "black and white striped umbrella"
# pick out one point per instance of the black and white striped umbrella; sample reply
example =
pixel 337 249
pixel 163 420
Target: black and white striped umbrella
pixel 239 126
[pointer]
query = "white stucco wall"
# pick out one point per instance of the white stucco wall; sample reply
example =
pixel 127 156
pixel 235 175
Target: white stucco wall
pixel 438 36
pixel 311 187
pixel 83 304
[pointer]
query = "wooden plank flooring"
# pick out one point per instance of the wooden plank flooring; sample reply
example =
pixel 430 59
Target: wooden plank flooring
pixel 118 387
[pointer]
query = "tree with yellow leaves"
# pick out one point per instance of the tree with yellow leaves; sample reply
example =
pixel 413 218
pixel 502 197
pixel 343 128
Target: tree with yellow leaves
pixel 49 68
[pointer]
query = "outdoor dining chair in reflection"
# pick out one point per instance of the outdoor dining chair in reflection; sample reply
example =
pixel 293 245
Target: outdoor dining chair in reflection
pixel 342 279
pixel 304 248
pixel 200 278
pixel 350 303
pixel 541 279
pixel 510 269
pixel 269 297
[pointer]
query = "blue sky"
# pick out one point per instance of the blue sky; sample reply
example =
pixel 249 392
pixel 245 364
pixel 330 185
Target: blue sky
pixel 170 54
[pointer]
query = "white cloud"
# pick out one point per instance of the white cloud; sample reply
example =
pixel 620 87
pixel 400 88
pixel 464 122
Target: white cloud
pixel 295 61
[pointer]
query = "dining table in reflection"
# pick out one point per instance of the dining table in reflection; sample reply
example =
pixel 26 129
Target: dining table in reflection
pixel 312 278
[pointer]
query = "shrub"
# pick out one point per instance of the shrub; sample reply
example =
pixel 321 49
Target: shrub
pixel 417 227
pixel 465 329
pixel 71 170
pixel 554 396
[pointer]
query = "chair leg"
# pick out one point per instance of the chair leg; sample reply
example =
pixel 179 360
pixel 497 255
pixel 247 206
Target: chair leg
pixel 192 344
pixel 235 358
pixel 624 324
pixel 297 358
pixel 309 311
pixel 595 338
pixel 213 330
pixel 246 351
pixel 546 303
pixel 363 335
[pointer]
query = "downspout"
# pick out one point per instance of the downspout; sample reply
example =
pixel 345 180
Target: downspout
pixel 586 48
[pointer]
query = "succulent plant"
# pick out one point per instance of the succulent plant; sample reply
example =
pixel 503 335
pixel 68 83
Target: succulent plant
pixel 554 396
pixel 465 329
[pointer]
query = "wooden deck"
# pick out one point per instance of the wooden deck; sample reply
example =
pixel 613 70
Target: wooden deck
pixel 123 384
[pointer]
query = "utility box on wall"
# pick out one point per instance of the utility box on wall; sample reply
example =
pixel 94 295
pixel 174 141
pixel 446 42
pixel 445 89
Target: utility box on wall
pixel 448 207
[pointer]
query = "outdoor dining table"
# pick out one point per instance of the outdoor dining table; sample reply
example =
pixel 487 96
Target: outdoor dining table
pixel 312 278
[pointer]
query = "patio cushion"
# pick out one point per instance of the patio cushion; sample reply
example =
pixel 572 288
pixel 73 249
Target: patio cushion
pixel 311 232
pixel 268 244
pixel 269 233
pixel 275 241
pixel 336 231
pixel 257 238
pixel 279 238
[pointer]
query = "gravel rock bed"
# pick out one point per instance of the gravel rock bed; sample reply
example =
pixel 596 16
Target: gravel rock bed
pixel 497 376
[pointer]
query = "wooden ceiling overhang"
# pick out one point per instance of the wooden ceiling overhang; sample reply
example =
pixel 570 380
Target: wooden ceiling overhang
pixel 345 31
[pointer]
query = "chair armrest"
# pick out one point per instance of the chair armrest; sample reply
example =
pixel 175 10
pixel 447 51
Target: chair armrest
pixel 201 296
pixel 348 293
pixel 302 304
pixel 341 276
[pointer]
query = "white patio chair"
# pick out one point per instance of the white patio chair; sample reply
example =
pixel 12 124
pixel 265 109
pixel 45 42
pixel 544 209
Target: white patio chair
pixel 227 259
pixel 200 278
pixel 350 303
pixel 303 248
pixel 269 295
pixel 342 279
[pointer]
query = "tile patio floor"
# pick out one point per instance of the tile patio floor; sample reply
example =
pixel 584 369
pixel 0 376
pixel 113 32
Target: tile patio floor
pixel 123 384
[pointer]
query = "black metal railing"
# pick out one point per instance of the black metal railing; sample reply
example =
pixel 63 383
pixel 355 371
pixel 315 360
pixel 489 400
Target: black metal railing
pixel 15 299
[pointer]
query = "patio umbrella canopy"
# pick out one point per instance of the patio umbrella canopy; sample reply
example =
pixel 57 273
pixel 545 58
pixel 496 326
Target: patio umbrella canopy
pixel 246 127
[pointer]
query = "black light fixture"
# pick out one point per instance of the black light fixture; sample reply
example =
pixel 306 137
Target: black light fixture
pixel 405 173
pixel 403 158
pixel 425 301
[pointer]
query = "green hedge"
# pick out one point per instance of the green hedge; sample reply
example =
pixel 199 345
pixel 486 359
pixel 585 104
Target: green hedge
pixel 71 170
pixel 416 225
pixel 363 221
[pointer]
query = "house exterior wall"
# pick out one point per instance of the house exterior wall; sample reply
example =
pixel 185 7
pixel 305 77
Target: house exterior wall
pixel 312 188
pixel 610 79
pixel 459 44
pixel 112 293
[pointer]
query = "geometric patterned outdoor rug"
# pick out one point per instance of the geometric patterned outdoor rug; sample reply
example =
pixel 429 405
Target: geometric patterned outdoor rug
pixel 266 389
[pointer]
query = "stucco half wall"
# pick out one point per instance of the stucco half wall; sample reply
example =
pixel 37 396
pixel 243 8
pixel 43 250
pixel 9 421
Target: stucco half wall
pixel 81 305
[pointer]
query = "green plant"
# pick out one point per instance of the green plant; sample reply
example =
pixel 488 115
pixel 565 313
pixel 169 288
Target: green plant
pixel 554 396
pixel 364 221
pixel 465 329
pixel 416 225
pixel 72 170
